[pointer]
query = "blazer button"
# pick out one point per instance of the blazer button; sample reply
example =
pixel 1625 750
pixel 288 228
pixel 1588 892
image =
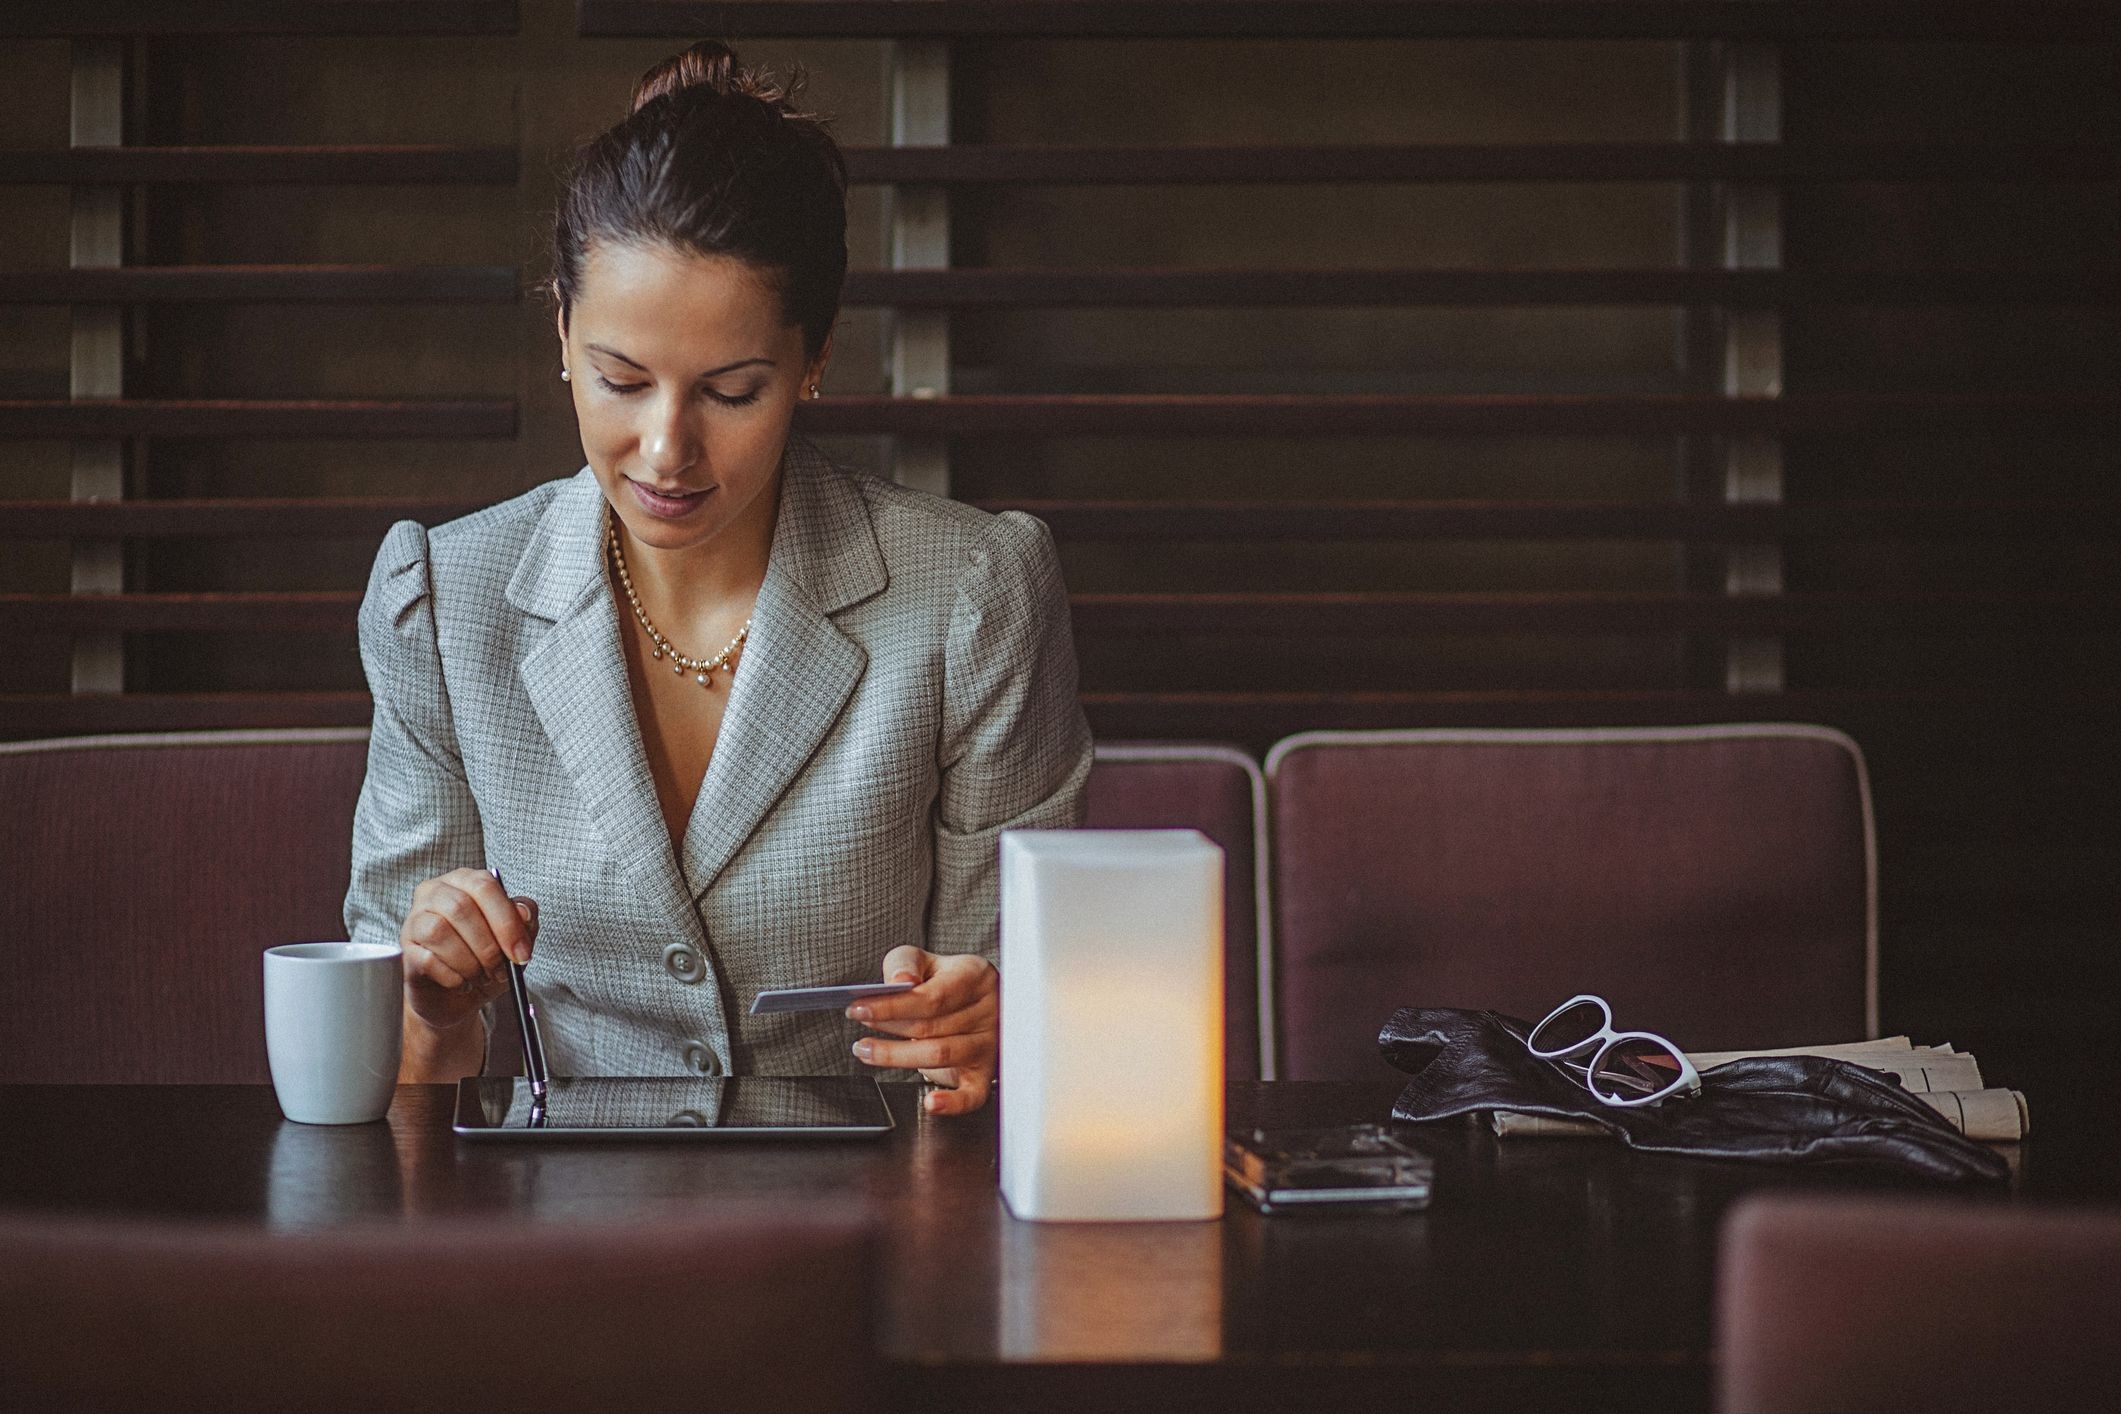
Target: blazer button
pixel 684 963
pixel 701 1058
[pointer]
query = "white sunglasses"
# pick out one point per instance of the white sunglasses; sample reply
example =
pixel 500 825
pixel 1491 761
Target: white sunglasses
pixel 1624 1067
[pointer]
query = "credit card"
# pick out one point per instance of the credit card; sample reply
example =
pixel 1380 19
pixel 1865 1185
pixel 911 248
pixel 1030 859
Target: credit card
pixel 822 998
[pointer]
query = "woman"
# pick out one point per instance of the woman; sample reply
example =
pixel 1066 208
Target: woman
pixel 727 717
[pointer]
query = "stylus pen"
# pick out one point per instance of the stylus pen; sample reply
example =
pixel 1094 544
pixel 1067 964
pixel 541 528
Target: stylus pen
pixel 526 1021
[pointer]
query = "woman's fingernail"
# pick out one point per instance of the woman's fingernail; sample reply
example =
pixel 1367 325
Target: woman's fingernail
pixel 863 1048
pixel 858 1013
pixel 905 977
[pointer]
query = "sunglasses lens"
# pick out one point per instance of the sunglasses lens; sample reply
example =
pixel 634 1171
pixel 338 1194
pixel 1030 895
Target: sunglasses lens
pixel 1633 1069
pixel 1571 1026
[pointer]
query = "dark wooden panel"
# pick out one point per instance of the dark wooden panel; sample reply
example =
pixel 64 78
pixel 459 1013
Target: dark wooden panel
pixel 144 417
pixel 999 165
pixel 224 519
pixel 31 19
pixel 1050 289
pixel 1379 414
pixel 1305 614
pixel 1556 520
pixel 364 165
pixel 265 284
pixel 1352 19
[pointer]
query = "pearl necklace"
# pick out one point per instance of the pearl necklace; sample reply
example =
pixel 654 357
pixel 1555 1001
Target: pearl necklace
pixel 703 669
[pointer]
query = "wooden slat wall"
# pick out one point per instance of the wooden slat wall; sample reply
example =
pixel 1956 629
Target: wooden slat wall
pixel 144 419
pixel 211 91
pixel 963 418
pixel 1449 470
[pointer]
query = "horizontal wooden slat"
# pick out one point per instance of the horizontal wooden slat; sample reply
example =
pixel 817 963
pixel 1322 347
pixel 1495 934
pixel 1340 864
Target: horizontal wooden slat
pixel 1253 716
pixel 1052 289
pixel 264 284
pixel 976 289
pixel 219 519
pixel 1558 520
pixel 1383 414
pixel 1358 414
pixel 1032 289
pixel 148 417
pixel 1102 166
pixel 321 517
pixel 1246 614
pixel 33 19
pixel 1357 19
pixel 298 611
pixel 1365 614
pixel 365 165
pixel 999 165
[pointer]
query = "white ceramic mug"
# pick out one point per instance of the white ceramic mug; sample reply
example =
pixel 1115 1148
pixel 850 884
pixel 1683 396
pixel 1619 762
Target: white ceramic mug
pixel 333 1026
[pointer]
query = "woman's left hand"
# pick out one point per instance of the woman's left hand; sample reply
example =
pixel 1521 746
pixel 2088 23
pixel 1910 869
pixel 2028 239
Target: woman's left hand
pixel 950 1025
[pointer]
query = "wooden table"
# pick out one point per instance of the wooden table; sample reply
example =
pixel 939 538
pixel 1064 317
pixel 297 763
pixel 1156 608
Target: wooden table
pixel 1546 1269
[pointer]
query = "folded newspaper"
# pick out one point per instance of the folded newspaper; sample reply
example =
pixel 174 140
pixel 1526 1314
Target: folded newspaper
pixel 1948 1081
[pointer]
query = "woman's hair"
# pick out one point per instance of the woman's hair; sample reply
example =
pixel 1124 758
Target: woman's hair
pixel 715 159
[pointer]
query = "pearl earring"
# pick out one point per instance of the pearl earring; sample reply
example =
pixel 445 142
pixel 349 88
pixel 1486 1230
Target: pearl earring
pixel 813 390
pixel 565 376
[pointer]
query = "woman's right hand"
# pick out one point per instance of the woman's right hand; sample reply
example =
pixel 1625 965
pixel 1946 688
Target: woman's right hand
pixel 457 941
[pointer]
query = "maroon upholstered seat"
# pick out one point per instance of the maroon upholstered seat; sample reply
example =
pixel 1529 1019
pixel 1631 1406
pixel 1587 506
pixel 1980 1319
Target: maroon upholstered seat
pixel 140 880
pixel 688 1312
pixel 145 875
pixel 1219 791
pixel 1716 884
pixel 1842 1305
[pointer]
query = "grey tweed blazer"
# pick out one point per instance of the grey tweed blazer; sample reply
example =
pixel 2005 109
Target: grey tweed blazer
pixel 908 692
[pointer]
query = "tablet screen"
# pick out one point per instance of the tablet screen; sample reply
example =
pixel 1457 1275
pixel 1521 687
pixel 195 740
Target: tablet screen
pixel 679 1107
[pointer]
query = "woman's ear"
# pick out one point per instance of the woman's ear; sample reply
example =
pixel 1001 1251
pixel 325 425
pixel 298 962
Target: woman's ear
pixel 559 319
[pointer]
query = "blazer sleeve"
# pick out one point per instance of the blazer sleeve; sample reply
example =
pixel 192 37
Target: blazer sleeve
pixel 415 817
pixel 1015 749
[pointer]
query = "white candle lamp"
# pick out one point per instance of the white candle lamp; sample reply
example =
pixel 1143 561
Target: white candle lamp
pixel 1112 1025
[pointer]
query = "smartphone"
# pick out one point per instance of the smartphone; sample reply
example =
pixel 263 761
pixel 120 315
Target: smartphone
pixel 822 998
pixel 1357 1168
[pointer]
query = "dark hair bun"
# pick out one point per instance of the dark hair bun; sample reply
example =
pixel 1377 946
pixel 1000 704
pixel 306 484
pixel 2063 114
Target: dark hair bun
pixel 715 159
pixel 711 65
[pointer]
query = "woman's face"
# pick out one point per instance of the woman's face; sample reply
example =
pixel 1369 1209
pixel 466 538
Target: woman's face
pixel 684 381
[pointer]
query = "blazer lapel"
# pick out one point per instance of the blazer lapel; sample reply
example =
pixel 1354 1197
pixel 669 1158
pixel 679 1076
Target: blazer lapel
pixel 575 675
pixel 798 669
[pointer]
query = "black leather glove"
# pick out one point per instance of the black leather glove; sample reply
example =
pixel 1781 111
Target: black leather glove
pixel 1770 1109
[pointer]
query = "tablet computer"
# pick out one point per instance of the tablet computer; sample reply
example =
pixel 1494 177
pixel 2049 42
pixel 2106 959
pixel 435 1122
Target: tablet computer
pixel 681 1107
